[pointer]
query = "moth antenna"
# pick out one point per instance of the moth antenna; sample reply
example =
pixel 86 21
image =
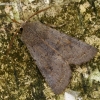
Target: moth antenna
pixel 12 39
pixel 38 12
pixel 13 20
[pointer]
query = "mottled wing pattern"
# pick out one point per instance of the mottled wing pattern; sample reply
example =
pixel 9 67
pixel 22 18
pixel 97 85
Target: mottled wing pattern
pixel 53 52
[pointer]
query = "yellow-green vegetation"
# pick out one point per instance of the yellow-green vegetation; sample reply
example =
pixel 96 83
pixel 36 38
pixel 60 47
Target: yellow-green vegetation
pixel 20 78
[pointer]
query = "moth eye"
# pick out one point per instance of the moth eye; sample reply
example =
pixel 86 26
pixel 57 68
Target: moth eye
pixel 21 29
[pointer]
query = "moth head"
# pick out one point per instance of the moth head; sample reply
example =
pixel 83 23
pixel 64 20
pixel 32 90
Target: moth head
pixel 24 26
pixel 21 29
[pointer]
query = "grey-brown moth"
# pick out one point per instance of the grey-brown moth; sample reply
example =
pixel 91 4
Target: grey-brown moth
pixel 54 51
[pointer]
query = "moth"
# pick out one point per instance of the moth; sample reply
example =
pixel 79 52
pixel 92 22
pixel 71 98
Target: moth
pixel 54 51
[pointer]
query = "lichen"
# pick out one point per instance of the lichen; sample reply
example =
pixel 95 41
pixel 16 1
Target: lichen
pixel 20 78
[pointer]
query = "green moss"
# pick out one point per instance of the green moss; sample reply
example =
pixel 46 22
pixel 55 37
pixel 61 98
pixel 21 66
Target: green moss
pixel 20 78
